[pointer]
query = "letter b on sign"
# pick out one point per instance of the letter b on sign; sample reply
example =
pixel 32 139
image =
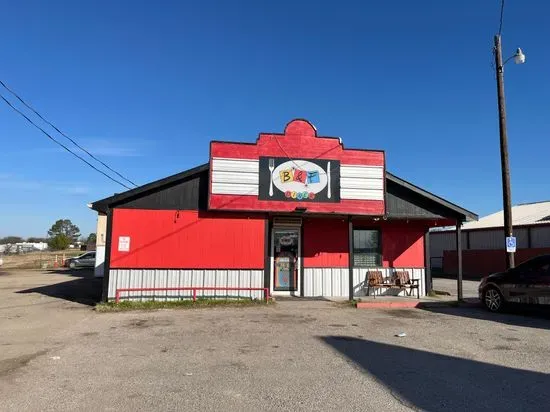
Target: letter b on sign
pixel 285 176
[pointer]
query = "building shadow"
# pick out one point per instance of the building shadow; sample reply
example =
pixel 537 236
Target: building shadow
pixel 77 273
pixel 429 381
pixel 82 287
pixel 526 316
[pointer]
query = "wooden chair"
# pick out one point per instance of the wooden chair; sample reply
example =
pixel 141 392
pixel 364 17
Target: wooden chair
pixel 375 279
pixel 401 279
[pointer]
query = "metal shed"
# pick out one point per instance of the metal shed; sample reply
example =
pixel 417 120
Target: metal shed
pixel 483 240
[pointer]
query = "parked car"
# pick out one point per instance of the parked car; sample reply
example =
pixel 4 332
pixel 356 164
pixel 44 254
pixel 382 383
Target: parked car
pixel 87 260
pixel 528 283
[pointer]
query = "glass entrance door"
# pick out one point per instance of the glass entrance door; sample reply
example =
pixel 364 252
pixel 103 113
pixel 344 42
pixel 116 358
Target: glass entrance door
pixel 286 245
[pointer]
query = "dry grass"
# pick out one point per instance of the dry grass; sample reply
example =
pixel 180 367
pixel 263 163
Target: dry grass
pixel 177 304
pixel 36 260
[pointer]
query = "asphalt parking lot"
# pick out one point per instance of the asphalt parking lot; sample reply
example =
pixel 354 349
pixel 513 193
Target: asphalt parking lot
pixel 58 354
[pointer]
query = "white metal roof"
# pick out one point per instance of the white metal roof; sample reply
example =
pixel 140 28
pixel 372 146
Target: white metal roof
pixel 527 214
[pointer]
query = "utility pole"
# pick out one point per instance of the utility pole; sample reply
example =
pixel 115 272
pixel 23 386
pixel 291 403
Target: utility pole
pixel 504 163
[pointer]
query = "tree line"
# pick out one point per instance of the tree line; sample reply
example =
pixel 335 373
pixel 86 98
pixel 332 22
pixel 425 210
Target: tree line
pixel 62 234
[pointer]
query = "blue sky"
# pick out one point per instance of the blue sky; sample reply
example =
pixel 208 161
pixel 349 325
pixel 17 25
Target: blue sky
pixel 146 85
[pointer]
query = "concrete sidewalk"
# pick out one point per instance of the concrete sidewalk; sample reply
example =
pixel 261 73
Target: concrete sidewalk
pixel 469 287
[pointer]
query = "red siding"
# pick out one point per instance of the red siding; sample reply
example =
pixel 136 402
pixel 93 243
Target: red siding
pixel 402 241
pixel 325 243
pixel 403 245
pixel 479 263
pixel 299 140
pixel 187 239
pixel 252 203
pixel 299 146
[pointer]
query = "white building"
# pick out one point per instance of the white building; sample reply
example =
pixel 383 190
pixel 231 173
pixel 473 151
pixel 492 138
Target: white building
pixel 23 247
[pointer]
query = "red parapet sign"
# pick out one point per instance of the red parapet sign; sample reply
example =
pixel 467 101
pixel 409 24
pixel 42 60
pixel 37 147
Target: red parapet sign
pixel 296 170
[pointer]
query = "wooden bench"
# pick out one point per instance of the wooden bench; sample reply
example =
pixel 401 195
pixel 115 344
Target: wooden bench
pixel 400 279
pixel 375 279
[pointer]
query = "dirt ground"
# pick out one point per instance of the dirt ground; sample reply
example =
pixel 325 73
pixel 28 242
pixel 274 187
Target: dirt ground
pixel 36 260
pixel 58 354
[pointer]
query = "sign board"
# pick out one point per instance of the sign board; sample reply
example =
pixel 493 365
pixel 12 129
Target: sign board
pixel 296 171
pixel 510 244
pixel 308 180
pixel 124 243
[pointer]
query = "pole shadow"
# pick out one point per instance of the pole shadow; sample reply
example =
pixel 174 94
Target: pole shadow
pixel 432 382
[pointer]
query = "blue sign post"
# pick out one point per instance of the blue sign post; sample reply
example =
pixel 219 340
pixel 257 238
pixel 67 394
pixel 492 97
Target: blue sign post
pixel 510 244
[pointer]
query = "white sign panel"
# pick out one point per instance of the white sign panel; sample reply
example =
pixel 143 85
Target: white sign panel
pixel 321 178
pixel 124 243
pixel 511 244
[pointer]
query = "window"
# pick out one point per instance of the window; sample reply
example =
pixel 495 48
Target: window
pixel 89 255
pixel 538 264
pixel 366 248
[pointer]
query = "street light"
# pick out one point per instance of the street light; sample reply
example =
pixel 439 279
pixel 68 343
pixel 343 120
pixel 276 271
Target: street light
pixel 519 58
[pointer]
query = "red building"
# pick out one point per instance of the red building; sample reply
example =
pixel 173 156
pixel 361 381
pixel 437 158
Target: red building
pixel 295 213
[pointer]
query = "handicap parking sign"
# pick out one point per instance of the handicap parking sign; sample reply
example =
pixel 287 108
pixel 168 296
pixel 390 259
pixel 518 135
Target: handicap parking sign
pixel 510 244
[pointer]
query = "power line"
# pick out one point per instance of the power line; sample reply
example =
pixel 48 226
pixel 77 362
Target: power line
pixel 294 161
pixel 501 17
pixel 61 144
pixel 63 134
